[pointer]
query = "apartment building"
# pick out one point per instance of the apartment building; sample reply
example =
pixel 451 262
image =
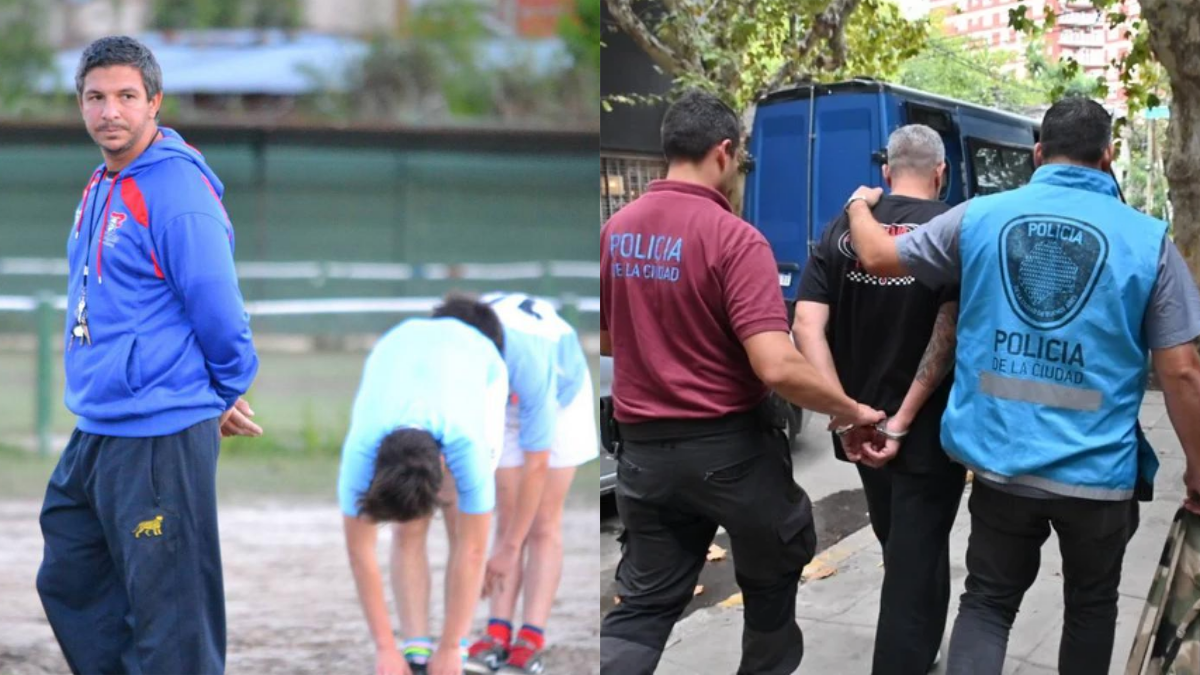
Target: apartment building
pixel 1081 32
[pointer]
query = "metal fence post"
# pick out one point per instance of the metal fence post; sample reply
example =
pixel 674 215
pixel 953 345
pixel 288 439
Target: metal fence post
pixel 45 369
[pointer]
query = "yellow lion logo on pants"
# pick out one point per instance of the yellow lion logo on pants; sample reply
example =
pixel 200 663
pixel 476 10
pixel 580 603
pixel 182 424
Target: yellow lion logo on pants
pixel 150 528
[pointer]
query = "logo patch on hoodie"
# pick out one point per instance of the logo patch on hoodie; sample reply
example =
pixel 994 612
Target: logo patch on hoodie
pixel 115 221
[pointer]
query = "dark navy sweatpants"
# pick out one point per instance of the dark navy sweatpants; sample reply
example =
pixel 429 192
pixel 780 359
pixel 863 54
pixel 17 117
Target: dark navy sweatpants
pixel 131 576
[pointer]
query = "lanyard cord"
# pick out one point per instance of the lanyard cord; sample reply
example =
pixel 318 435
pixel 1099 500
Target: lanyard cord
pixel 92 229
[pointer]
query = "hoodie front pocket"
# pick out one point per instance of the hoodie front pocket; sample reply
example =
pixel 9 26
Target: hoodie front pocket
pixel 98 378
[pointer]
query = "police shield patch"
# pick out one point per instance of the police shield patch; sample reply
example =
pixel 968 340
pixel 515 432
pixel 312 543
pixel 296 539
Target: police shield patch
pixel 1050 265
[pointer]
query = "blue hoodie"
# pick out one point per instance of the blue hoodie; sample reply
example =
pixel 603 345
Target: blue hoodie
pixel 171 343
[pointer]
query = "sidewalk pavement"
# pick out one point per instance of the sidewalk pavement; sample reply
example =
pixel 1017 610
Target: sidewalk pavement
pixel 838 613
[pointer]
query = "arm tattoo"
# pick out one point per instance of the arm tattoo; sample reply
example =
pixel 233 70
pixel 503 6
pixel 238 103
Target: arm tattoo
pixel 939 353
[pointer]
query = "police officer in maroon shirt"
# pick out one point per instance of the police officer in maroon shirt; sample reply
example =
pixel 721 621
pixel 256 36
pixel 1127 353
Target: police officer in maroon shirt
pixel 692 314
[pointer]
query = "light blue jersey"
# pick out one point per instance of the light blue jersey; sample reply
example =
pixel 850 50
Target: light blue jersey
pixel 546 364
pixel 441 376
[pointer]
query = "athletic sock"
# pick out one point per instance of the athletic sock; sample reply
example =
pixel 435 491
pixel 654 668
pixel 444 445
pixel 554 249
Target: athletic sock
pixel 533 636
pixel 500 631
pixel 418 650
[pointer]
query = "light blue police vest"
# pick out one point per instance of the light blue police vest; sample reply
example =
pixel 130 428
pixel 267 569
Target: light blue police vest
pixel 1051 360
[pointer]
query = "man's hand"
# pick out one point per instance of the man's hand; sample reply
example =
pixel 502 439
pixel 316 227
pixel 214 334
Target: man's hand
pixel 853 440
pixel 389 661
pixel 1191 483
pixel 501 567
pixel 883 449
pixel 870 195
pixel 446 661
pixel 236 421
pixel 864 416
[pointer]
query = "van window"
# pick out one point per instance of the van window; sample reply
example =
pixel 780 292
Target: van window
pixel 997 168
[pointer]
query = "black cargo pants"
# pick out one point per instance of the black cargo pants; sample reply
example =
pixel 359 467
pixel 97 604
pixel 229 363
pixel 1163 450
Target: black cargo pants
pixel 677 481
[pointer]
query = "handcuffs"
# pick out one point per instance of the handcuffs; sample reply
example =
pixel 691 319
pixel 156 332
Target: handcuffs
pixel 880 428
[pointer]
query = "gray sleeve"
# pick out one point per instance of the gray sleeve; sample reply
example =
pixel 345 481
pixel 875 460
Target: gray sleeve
pixel 1173 316
pixel 930 252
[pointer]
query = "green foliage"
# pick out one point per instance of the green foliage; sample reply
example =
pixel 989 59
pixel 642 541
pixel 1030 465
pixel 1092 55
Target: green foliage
pixel 1061 78
pixel 580 30
pixel 24 58
pixel 1141 79
pixel 204 14
pixel 953 66
pixel 1145 171
pixel 434 72
pixel 740 50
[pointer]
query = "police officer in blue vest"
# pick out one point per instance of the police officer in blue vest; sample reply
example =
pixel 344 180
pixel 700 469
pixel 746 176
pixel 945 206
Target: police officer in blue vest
pixel 1064 291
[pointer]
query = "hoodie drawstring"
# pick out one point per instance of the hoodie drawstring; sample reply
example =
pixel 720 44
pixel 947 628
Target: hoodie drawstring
pixel 104 226
pixel 92 182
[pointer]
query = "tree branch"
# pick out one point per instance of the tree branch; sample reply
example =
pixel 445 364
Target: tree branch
pixel 635 28
pixel 829 25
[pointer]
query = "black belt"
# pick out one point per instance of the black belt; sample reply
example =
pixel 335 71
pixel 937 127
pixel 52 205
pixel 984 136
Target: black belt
pixel 765 415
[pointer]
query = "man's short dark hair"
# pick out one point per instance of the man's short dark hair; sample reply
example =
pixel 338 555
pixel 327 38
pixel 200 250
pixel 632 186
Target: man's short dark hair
pixel 474 313
pixel 695 123
pixel 1076 128
pixel 120 50
pixel 408 476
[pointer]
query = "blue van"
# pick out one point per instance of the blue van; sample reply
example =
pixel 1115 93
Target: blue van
pixel 812 145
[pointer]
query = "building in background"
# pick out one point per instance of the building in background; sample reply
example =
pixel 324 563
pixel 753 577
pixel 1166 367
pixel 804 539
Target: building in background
pixel 1081 32
pixel 630 142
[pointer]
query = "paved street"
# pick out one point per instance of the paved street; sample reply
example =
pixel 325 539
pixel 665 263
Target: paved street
pixel 838 505
pixel 838 613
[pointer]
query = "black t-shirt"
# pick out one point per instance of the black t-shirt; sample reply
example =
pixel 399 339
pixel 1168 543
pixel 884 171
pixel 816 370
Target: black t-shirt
pixel 879 327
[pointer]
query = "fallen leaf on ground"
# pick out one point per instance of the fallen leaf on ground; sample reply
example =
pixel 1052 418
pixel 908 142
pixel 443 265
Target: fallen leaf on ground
pixel 818 569
pixel 699 590
pixel 734 600
pixel 715 553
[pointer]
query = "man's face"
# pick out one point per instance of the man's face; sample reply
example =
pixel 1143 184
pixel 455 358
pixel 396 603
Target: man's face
pixel 115 108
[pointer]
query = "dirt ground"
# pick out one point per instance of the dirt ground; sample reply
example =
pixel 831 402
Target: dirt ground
pixel 290 598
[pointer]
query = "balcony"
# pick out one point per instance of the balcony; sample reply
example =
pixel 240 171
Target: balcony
pixel 1078 18
pixel 1080 38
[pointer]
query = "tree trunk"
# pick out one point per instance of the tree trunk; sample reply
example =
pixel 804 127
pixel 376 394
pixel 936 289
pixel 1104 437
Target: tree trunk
pixel 1174 34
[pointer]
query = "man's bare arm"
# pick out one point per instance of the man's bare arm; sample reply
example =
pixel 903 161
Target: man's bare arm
pixel 808 331
pixel 605 343
pixel 936 362
pixel 777 363
pixel 464 577
pixel 360 545
pixel 1178 371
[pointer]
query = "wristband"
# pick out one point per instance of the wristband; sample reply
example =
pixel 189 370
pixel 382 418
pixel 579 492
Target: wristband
pixel 855 198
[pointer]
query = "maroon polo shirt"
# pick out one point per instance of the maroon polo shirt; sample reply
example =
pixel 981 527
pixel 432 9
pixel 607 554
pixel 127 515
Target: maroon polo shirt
pixel 683 282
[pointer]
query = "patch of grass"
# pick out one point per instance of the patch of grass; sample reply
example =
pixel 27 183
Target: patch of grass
pixel 302 401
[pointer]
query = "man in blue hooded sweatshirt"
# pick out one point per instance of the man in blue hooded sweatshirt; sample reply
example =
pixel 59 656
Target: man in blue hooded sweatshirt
pixel 157 353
